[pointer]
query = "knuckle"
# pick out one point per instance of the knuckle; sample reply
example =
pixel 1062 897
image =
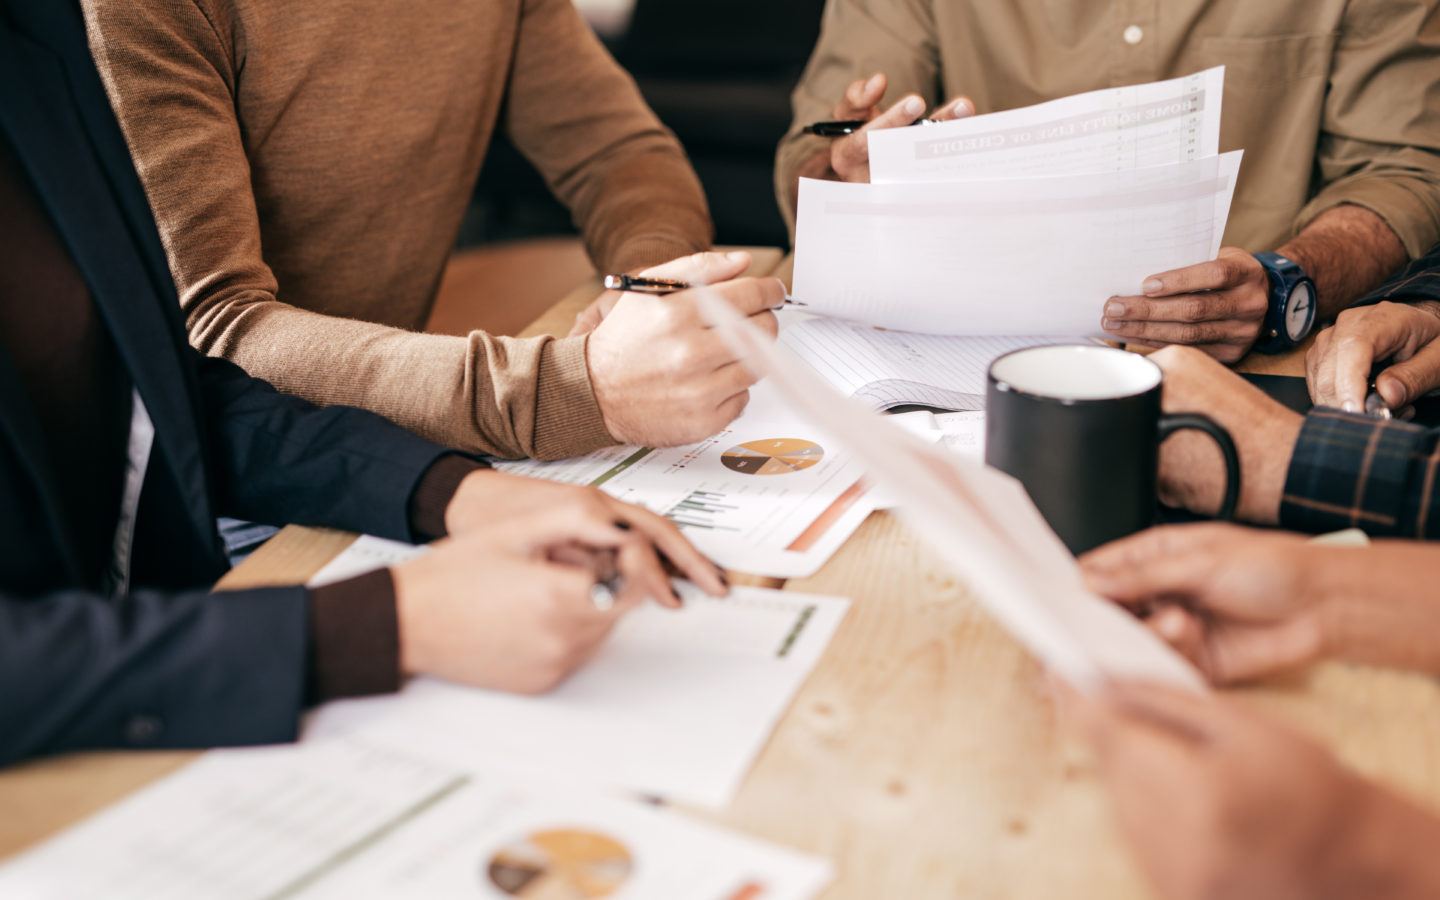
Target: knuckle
pixel 1194 308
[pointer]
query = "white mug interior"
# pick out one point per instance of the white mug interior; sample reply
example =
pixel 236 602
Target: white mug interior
pixel 1076 372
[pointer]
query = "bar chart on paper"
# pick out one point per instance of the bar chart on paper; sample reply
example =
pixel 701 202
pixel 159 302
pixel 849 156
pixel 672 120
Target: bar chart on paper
pixel 703 509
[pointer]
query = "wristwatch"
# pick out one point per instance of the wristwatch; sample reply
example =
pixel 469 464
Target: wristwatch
pixel 1293 299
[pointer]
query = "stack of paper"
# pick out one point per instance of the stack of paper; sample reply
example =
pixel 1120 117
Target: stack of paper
pixel 1022 222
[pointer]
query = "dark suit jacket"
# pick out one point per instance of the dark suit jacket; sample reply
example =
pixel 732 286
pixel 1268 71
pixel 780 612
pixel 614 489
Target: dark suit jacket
pixel 171 664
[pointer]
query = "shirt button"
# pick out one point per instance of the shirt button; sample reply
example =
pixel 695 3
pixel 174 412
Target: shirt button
pixel 1134 35
pixel 143 729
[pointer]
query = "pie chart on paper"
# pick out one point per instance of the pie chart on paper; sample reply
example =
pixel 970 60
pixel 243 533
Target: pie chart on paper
pixel 773 456
pixel 560 864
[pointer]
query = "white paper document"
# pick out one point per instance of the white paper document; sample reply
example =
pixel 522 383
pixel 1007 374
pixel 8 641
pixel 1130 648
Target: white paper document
pixel 963 433
pixel 982 523
pixel 677 703
pixel 1032 256
pixel 347 819
pixel 884 369
pixel 765 497
pixel 1110 130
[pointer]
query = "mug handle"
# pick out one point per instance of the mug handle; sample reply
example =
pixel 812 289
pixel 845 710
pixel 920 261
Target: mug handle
pixel 1170 424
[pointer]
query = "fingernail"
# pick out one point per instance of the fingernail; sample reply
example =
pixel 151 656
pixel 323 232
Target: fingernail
pixel 1108 324
pixel 913 107
pixel 963 108
pixel 873 83
pixel 1115 309
pixel 1350 406
pixel 1391 392
pixel 736 256
pixel 1152 286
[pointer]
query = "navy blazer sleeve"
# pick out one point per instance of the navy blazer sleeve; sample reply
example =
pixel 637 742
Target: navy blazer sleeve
pixel 194 668
pixel 150 669
pixel 279 459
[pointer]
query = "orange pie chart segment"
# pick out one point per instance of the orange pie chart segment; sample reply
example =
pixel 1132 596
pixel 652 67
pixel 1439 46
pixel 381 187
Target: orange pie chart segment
pixel 561 864
pixel 773 456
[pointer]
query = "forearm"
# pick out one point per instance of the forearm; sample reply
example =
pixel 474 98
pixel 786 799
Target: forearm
pixel 1348 250
pixel 1383 849
pixel 501 396
pixel 1380 605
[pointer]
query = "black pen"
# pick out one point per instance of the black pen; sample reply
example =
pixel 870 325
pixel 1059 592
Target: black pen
pixel 638 284
pixel 847 127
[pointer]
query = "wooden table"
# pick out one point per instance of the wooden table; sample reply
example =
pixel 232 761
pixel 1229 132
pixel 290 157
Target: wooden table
pixel 923 757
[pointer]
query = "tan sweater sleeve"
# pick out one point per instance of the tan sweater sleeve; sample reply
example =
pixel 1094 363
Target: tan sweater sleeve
pixel 1380 132
pixel 172 81
pixel 857 39
pixel 580 119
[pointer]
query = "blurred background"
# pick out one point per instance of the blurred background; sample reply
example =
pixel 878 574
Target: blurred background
pixel 722 85
pixel 719 83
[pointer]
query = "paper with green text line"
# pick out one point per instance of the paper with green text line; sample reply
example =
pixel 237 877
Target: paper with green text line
pixel 677 703
pixel 1109 130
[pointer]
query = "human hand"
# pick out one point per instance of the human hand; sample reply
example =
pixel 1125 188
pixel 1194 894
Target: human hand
pixel 1220 804
pixel 487 500
pixel 1338 366
pixel 1217 306
pixel 699 268
pixel 850 155
pixel 1238 603
pixel 1192 471
pixel 662 376
pixel 510 607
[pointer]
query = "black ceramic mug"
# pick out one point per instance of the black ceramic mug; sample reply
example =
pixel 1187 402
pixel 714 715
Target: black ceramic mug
pixel 1080 426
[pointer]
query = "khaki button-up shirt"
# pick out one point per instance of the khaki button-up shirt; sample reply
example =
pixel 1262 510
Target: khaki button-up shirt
pixel 1333 101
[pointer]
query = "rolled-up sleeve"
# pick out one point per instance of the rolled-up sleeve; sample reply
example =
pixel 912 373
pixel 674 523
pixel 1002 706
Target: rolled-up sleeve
pixel 1380 141
pixel 1352 471
pixel 857 39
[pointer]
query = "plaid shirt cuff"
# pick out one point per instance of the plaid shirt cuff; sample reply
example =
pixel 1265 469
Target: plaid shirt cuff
pixel 1352 471
pixel 1418 281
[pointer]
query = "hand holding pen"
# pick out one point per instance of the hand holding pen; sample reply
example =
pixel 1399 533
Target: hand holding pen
pixel 859 112
pixel 639 284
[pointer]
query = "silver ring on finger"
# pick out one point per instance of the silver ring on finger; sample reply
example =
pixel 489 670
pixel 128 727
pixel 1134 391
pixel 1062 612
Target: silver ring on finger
pixel 603 595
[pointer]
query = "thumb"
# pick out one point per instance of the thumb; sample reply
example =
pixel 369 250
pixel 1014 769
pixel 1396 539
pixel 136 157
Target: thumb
pixel 1405 382
pixel 1243 652
pixel 703 268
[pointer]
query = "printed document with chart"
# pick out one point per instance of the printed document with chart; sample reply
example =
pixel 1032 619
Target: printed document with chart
pixel 349 819
pixel 676 704
pixel 764 497
pixel 1021 222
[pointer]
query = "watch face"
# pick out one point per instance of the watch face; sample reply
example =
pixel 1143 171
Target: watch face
pixel 1300 312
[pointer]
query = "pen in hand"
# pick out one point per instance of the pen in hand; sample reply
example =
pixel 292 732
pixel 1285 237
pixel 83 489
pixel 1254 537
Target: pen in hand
pixel 637 284
pixel 847 127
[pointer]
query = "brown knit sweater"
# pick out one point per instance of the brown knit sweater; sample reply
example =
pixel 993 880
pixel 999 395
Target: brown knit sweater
pixel 309 164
